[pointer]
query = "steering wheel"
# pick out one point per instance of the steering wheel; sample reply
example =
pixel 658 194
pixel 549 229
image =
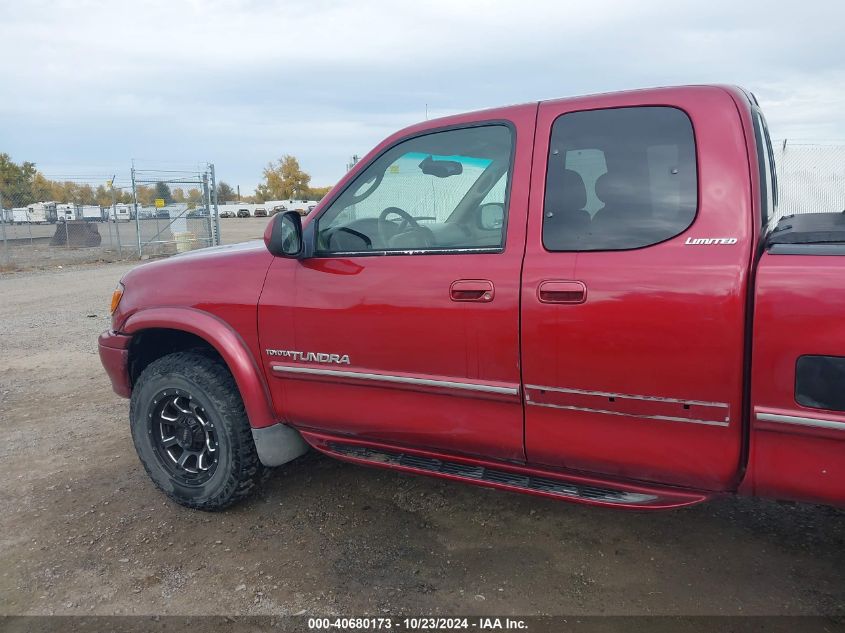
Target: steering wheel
pixel 407 221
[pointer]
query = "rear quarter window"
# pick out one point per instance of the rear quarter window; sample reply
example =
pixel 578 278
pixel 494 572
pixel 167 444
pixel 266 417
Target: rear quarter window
pixel 819 382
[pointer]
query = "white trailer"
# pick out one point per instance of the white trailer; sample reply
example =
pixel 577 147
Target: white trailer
pixel 20 215
pixel 120 213
pixel 91 213
pixel 66 211
pixel 42 212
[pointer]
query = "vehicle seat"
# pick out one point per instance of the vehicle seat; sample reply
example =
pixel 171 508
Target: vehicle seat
pixel 623 208
pixel 412 239
pixel 564 216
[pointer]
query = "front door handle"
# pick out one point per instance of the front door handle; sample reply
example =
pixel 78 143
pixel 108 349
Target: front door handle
pixel 562 292
pixel 472 290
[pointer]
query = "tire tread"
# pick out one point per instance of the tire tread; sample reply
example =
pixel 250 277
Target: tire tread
pixel 218 385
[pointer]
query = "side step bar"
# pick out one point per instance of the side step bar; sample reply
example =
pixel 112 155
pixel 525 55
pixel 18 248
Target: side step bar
pixel 515 478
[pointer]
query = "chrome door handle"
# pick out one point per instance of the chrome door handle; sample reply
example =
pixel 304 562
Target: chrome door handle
pixel 480 290
pixel 562 292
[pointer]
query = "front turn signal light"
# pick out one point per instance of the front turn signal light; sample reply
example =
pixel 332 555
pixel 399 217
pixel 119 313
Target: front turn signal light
pixel 116 296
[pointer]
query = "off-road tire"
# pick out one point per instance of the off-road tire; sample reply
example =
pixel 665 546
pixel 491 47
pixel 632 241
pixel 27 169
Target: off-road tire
pixel 238 470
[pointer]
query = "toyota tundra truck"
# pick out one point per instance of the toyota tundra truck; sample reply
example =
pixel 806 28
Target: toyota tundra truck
pixel 590 299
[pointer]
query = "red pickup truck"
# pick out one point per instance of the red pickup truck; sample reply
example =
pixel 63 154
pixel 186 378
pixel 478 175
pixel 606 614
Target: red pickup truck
pixel 587 299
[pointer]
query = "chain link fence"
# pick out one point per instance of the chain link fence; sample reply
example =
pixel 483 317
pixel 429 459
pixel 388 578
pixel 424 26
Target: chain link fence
pixel 66 219
pixel 61 219
pixel 174 210
pixel 811 177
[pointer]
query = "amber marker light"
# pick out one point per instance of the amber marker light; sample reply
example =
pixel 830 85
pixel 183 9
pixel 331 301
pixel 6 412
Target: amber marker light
pixel 116 296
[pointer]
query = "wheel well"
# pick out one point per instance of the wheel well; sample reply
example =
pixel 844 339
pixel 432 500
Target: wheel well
pixel 150 345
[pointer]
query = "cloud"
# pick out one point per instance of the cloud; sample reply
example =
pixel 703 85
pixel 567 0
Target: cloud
pixel 241 82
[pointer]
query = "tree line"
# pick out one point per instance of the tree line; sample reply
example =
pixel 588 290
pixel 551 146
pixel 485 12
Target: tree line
pixel 22 184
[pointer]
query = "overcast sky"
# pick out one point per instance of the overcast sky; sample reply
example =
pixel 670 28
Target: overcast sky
pixel 87 86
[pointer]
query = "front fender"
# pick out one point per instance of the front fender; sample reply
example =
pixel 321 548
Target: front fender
pixel 228 343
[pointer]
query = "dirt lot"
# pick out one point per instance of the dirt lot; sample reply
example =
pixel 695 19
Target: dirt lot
pixel 82 531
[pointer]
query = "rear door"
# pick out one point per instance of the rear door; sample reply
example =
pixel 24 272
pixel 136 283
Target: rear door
pixel 632 326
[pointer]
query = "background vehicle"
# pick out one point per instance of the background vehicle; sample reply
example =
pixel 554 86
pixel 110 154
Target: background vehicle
pixel 582 299
pixel 91 213
pixel 66 211
pixel 303 207
pixel 228 210
pixel 20 215
pixel 120 213
pixel 41 212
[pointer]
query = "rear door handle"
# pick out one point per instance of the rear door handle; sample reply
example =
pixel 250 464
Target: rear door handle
pixel 480 290
pixel 562 292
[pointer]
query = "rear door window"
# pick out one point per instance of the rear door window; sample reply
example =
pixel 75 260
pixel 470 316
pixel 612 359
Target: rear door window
pixel 619 179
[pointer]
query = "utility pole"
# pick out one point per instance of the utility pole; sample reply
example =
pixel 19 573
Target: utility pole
pixel 114 214
pixel 216 217
pixel 137 216
pixel 3 225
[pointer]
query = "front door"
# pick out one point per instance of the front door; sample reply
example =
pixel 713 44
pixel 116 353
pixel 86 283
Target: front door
pixel 404 328
pixel 632 337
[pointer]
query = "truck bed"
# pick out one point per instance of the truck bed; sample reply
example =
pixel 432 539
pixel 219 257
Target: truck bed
pixel 808 233
pixel 797 443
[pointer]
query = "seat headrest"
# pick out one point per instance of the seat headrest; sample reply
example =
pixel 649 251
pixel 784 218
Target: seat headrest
pixel 567 192
pixel 613 189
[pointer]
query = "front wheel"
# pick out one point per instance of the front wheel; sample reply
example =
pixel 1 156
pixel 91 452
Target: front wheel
pixel 191 432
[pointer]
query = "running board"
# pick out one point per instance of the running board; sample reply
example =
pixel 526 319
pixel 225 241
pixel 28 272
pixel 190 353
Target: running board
pixel 569 488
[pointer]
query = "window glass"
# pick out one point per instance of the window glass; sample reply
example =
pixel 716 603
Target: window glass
pixel 590 165
pixel 619 179
pixel 425 194
pixel 768 179
pixel 818 382
pixel 498 192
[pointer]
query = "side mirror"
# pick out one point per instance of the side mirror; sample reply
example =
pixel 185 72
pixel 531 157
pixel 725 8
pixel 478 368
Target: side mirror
pixel 492 216
pixel 283 236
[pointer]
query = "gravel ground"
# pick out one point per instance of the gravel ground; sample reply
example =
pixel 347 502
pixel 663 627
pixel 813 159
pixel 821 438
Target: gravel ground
pixel 82 530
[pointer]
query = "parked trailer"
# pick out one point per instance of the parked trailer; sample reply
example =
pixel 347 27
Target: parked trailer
pixel 65 212
pixel 120 213
pixel 20 215
pixel 91 213
pixel 42 212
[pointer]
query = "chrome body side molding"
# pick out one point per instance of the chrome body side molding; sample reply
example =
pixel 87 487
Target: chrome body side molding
pixel 646 407
pixel 663 418
pixel 399 380
pixel 611 394
pixel 819 423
